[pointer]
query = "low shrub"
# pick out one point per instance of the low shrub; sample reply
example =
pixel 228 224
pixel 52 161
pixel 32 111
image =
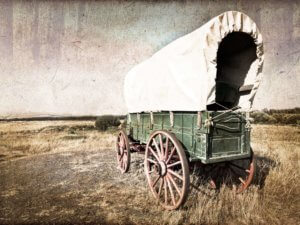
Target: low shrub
pixel 262 117
pixel 106 121
pixel 291 119
pixel 273 117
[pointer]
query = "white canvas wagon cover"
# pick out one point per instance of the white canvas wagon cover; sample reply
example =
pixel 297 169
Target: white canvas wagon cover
pixel 182 75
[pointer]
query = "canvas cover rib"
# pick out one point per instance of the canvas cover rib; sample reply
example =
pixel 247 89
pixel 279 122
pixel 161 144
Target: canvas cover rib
pixel 181 76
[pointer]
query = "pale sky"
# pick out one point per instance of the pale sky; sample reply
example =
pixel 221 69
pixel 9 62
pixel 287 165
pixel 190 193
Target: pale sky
pixel 71 57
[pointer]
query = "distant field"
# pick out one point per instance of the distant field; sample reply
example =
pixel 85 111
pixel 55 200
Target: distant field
pixel 65 172
pixel 36 137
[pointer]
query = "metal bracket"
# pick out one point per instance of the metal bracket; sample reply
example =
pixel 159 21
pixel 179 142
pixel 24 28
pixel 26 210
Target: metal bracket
pixel 151 120
pixel 199 120
pixel 129 118
pixel 247 115
pixel 138 118
pixel 248 123
pixel 209 122
pixel 172 119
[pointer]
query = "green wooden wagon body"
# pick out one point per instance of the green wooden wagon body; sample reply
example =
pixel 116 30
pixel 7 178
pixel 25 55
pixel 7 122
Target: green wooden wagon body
pixel 225 138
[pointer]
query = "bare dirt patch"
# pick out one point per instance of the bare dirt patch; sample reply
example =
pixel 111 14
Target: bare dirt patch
pixel 65 173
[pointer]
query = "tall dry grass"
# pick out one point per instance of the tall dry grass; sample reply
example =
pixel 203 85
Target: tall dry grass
pixel 274 197
pixel 19 139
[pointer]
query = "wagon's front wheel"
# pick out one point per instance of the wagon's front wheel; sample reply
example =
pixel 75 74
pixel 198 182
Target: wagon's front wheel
pixel 123 151
pixel 166 169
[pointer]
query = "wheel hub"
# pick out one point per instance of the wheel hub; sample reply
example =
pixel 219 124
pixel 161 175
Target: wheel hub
pixel 162 168
pixel 120 151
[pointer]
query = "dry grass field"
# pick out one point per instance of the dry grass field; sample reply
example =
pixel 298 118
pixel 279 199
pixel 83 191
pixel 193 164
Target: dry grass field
pixel 64 172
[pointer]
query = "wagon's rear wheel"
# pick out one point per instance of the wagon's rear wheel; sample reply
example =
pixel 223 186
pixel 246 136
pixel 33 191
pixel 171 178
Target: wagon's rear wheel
pixel 237 172
pixel 166 169
pixel 123 151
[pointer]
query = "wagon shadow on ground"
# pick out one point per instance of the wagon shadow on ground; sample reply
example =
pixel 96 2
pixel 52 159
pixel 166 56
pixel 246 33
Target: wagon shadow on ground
pixel 200 180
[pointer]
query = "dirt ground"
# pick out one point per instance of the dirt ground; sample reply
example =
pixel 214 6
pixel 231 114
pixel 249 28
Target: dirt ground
pixel 64 172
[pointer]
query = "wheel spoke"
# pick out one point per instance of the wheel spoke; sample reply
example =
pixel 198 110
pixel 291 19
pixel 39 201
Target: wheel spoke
pixel 150 160
pixel 122 164
pixel 156 180
pixel 160 187
pixel 161 147
pixel 121 155
pixel 125 164
pixel 174 164
pixel 156 156
pixel 166 191
pixel 175 185
pixel 167 148
pixel 151 171
pixel 122 141
pixel 212 184
pixel 157 148
pixel 243 182
pixel 121 158
pixel 170 156
pixel 171 191
pixel 175 174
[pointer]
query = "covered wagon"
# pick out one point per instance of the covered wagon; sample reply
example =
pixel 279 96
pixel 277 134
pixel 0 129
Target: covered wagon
pixel 189 104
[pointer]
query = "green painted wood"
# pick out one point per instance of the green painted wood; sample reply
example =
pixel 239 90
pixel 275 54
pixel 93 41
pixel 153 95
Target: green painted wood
pixel 226 140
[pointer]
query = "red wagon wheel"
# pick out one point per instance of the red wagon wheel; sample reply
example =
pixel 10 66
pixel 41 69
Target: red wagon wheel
pixel 166 169
pixel 237 172
pixel 123 151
